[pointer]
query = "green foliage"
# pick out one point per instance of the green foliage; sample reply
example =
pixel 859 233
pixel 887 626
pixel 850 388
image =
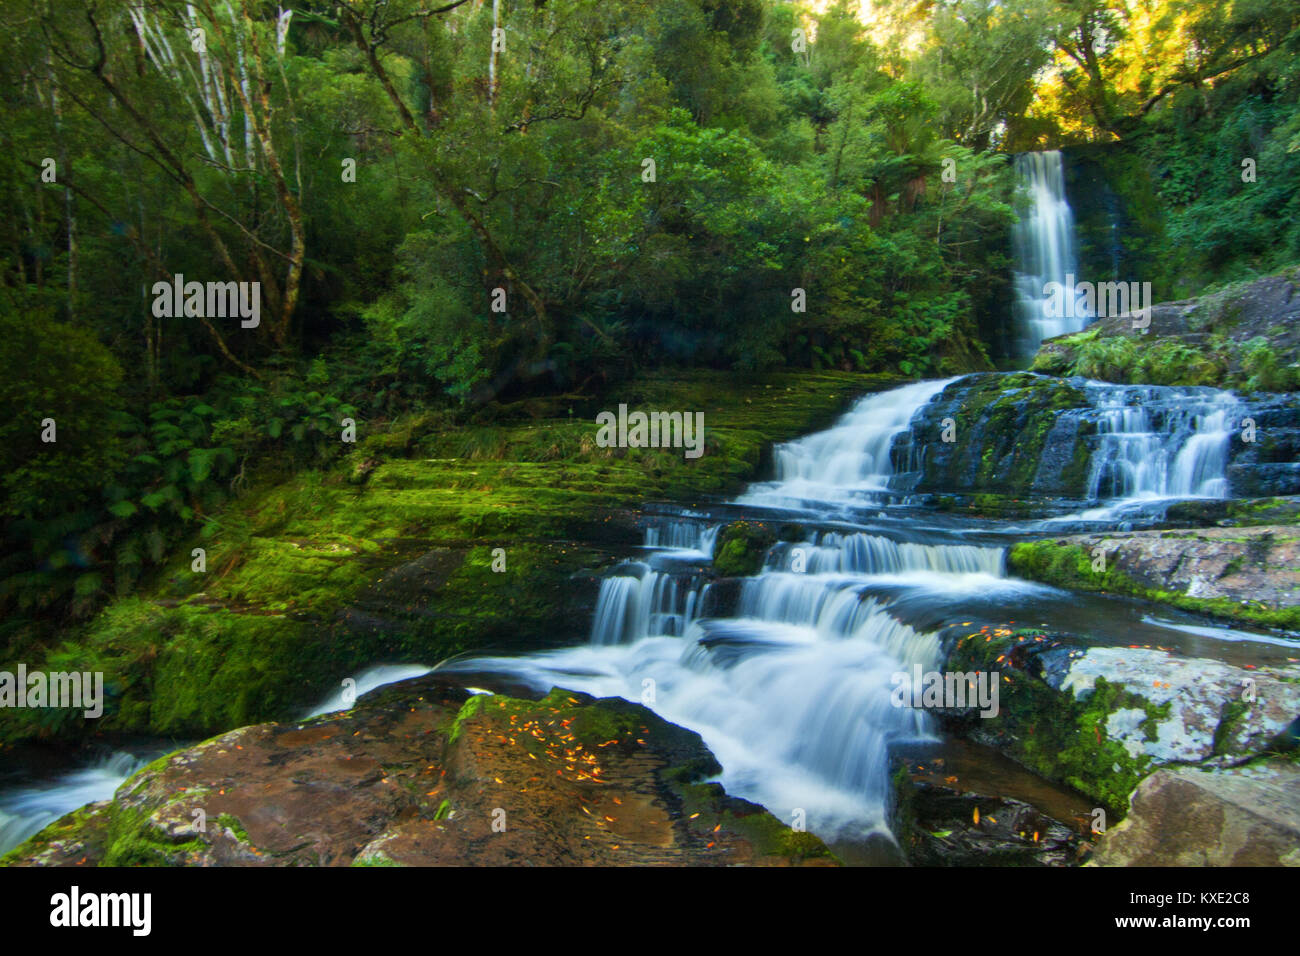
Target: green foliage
pixel 58 372
pixel 1264 371
pixel 741 547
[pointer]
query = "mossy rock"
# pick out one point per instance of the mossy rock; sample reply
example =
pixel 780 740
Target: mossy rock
pixel 741 548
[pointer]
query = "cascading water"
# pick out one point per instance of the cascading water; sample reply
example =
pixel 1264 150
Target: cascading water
pixel 25 810
pixel 1154 444
pixel 1043 242
pixel 849 463
pixel 789 679
pixel 1162 442
pixel 791 690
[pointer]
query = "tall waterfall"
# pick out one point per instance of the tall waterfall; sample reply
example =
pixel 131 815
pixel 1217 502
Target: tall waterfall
pixel 1043 242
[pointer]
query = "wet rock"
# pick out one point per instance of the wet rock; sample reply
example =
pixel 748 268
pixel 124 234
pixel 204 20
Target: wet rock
pixel 943 824
pixel 1184 816
pixel 742 547
pixel 420 773
pixel 1003 426
pixel 1099 719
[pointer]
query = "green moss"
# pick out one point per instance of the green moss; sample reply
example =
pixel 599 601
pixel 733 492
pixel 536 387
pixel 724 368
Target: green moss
pixel 133 841
pixel 467 711
pixel 84 825
pixel 768 835
pixel 375 859
pixel 1057 735
pixel 1234 712
pixel 1070 566
pixel 741 547
pixel 232 823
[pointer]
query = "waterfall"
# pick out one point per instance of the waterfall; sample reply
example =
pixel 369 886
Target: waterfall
pixel 791 690
pixel 1156 442
pixel 849 462
pixel 1043 243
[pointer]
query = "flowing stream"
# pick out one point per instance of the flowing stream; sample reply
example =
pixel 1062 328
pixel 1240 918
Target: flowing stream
pixel 28 805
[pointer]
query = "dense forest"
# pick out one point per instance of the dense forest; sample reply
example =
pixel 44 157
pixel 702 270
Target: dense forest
pixel 331 334
pixel 454 209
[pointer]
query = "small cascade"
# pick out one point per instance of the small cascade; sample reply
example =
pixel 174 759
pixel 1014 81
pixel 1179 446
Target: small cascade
pixel 1155 442
pixel 1043 242
pixel 370 679
pixel 862 553
pixel 632 606
pixel 849 463
pixel 25 810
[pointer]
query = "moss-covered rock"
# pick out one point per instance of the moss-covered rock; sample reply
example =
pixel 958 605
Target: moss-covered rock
pixel 1099 719
pixel 1008 438
pixel 1248 575
pixel 418 775
pixel 741 547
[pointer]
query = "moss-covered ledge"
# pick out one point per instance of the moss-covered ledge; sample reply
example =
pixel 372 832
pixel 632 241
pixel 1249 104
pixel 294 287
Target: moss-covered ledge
pixel 1243 575
pixel 390 555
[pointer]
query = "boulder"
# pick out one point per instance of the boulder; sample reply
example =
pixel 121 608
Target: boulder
pixel 1099 719
pixel 1185 816
pixel 421 774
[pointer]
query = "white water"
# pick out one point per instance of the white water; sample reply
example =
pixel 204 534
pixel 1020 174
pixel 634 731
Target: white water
pixel 369 679
pixel 26 810
pixel 1043 241
pixel 1173 443
pixel 1157 444
pixel 792 693
pixel 848 463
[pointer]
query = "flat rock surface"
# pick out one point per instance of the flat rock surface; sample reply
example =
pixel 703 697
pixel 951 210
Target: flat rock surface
pixel 1260 564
